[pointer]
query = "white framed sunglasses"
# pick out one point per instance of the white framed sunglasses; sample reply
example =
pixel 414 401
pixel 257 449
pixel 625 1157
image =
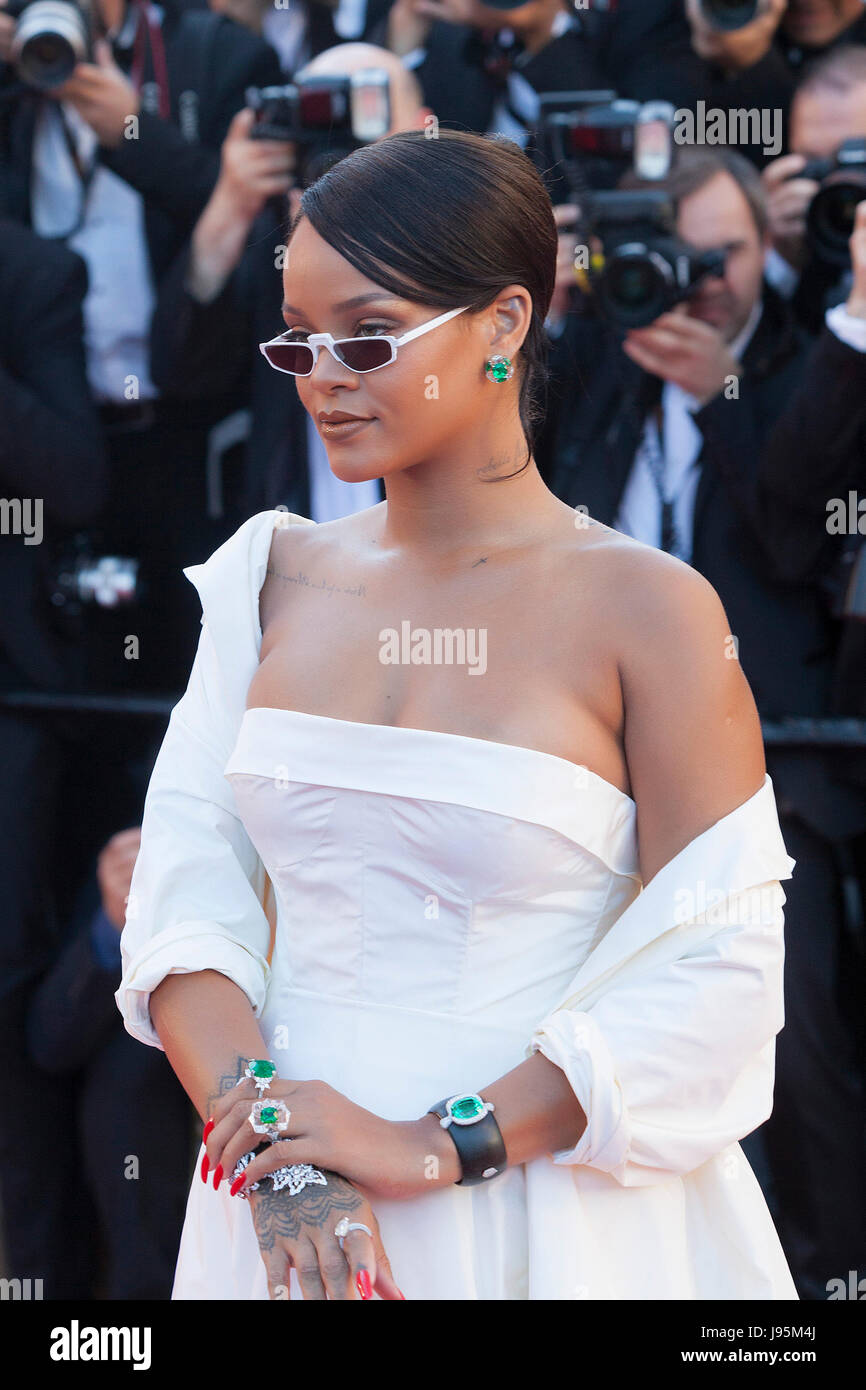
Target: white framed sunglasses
pixel 298 358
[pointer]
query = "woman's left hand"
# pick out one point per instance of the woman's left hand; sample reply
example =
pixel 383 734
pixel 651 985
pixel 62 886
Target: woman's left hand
pixel 384 1158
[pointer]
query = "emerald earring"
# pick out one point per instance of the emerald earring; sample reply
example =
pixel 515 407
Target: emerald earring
pixel 499 369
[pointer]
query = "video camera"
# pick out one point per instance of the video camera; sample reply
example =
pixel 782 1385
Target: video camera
pixel 326 117
pixel 50 37
pixel 636 267
pixel 832 213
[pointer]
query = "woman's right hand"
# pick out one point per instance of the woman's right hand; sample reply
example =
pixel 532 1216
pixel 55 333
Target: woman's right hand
pixel 298 1231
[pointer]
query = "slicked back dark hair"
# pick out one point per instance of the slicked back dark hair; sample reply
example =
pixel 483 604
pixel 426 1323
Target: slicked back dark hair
pixel 448 221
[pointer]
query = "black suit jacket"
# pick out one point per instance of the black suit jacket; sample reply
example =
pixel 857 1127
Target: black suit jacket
pixel 50 441
pixel 173 163
pixel 786 638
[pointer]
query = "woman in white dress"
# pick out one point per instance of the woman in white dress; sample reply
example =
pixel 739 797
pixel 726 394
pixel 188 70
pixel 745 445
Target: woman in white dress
pixel 466 798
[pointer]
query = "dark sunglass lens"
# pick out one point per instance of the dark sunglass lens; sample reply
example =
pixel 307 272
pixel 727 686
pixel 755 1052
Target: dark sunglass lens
pixel 291 357
pixel 363 354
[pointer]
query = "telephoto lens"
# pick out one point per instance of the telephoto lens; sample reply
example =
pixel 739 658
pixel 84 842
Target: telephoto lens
pixel 833 211
pixel 730 14
pixel 50 37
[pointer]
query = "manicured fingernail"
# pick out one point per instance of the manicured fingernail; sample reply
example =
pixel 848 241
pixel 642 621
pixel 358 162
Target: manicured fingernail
pixel 207 1129
pixel 205 1164
pixel 363 1283
pixel 237 1184
pixel 402 1295
pixel 217 1175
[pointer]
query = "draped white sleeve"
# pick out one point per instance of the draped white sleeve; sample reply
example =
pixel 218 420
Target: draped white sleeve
pixel 667 1033
pixel 199 890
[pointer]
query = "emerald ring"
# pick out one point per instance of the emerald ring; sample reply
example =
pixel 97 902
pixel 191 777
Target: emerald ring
pixel 270 1118
pixel 262 1071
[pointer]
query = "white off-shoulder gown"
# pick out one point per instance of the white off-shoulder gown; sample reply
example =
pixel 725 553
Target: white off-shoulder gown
pixel 444 906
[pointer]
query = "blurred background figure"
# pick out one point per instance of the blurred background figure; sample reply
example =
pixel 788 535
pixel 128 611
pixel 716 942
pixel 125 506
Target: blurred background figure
pixel 46 415
pixel 130 1129
pixel 664 435
pixel 299 30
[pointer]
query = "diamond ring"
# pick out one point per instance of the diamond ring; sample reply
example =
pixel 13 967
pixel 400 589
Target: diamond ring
pixel 344 1226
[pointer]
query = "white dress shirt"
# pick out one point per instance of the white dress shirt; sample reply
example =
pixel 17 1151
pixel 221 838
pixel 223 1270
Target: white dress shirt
pixel 640 509
pixel 119 303
pixel 286 31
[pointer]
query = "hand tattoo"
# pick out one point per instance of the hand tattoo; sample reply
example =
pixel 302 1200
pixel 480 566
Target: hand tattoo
pixel 276 1215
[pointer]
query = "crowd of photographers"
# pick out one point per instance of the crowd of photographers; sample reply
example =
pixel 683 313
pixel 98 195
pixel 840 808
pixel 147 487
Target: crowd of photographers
pixel 707 353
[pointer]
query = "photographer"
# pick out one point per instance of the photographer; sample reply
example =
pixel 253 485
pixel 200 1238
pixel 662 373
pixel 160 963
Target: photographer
pixel 52 456
pixel 76 1039
pixel 222 298
pixel 664 441
pixel 809 261
pixel 758 63
pixel 481 67
pixel 300 31
pixel 818 447
pixel 782 36
pixel 118 160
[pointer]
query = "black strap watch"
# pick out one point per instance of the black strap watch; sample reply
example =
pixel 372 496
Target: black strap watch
pixel 477 1137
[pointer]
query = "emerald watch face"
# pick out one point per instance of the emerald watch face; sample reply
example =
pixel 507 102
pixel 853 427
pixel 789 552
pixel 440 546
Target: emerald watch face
pixel 467 1110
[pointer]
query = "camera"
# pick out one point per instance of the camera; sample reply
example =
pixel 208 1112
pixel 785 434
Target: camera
pixel 832 213
pixel 326 117
pixel 636 267
pixel 50 37
pixel 730 14
pixel 644 268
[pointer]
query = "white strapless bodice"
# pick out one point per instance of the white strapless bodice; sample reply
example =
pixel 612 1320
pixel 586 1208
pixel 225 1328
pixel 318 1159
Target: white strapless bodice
pixel 435 896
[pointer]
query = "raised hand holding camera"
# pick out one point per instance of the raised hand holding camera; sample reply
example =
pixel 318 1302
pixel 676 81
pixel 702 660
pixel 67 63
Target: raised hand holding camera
pixel 251 172
pixel 102 95
pixel 685 351
pixel 789 195
pixel 736 34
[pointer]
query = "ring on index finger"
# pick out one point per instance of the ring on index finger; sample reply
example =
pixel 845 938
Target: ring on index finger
pixel 344 1226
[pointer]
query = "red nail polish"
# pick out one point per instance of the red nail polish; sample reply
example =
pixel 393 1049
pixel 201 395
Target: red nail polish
pixel 205 1164
pixel 363 1283
pixel 217 1175
pixel 207 1129
pixel 237 1184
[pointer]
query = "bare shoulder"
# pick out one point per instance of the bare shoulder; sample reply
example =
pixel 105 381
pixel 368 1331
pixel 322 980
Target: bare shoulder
pixel 692 732
pixel 296 548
